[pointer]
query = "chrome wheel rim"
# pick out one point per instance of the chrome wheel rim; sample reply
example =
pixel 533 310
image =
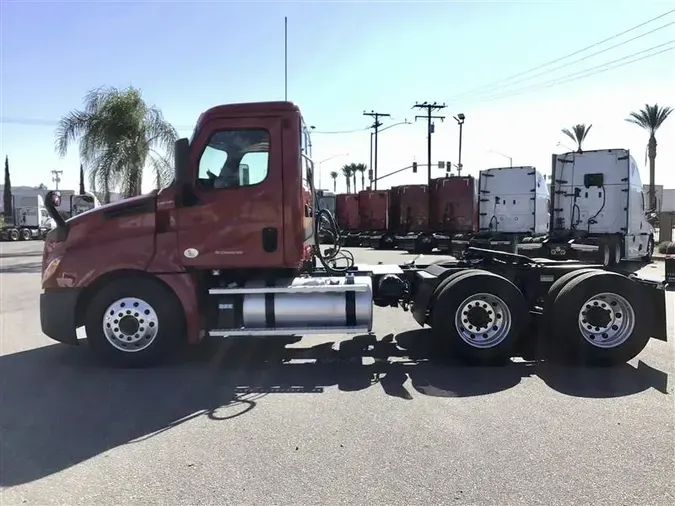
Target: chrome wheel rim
pixel 606 320
pixel 483 320
pixel 130 324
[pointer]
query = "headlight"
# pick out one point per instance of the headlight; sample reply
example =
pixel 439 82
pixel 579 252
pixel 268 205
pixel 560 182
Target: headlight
pixel 51 269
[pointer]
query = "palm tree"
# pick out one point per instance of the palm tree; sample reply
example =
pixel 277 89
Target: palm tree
pixel 651 118
pixel 347 173
pixel 578 134
pixel 334 175
pixel 362 168
pixel 119 134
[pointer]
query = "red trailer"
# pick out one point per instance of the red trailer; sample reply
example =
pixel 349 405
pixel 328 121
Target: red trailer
pixel 374 218
pixel 347 217
pixel 454 210
pixel 409 214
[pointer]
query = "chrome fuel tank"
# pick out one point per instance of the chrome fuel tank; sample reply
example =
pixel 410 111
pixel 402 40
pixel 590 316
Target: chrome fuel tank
pixel 312 302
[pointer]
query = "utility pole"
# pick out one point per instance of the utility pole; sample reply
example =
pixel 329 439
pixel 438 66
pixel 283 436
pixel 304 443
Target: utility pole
pixel 460 121
pixel 376 126
pixel 430 127
pixel 56 177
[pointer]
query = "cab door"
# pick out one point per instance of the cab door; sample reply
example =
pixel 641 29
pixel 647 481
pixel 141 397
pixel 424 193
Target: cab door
pixel 233 217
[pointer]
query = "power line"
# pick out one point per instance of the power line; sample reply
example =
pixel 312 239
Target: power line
pixel 500 81
pixel 589 56
pixel 599 69
pixel 52 123
pixel 341 131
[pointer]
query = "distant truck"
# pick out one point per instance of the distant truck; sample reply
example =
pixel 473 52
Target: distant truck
pixel 347 217
pixel 374 219
pixel 409 215
pixel 598 211
pixel 513 203
pixel 82 203
pixel 453 209
pixel 30 219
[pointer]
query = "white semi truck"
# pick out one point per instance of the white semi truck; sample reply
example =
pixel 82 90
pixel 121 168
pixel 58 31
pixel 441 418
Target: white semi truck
pixel 30 218
pixel 513 203
pixel 598 210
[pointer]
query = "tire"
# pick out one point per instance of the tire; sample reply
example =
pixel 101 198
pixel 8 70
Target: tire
pixel 146 347
pixel 619 339
pixel 650 250
pixel 618 253
pixel 605 254
pixel 26 234
pixel 14 235
pixel 498 307
pixel 548 329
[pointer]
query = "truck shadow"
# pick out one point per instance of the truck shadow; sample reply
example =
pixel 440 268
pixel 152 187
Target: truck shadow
pixel 21 268
pixel 60 408
pixel 21 254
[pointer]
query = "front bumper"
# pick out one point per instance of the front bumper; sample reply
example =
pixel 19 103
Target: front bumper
pixel 58 314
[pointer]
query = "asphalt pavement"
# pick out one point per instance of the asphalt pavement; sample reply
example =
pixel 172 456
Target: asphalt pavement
pixel 323 423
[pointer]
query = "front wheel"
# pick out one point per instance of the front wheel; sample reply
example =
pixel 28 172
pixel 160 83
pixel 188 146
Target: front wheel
pixel 134 322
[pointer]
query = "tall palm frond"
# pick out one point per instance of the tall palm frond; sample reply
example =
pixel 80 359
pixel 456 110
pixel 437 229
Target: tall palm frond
pixel 578 134
pixel 119 134
pixel 651 118
pixel 334 175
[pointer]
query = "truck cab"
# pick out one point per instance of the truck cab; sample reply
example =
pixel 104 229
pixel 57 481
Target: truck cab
pixel 212 216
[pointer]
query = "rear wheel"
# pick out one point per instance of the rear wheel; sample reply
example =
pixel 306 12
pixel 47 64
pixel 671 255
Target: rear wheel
pixel 596 319
pixel 479 315
pixel 134 322
pixel 14 235
pixel 26 234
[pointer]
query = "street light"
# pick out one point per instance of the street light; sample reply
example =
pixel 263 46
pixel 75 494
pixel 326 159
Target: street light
pixel 502 154
pixel 560 144
pixel 370 166
pixel 460 121
pixel 318 164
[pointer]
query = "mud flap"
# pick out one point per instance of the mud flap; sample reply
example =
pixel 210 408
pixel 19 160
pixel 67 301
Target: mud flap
pixel 654 293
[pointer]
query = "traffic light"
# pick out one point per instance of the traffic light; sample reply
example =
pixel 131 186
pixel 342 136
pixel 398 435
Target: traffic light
pixel 370 174
pixel 414 167
pixel 448 165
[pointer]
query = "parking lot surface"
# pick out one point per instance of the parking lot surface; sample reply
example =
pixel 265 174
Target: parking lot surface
pixel 323 422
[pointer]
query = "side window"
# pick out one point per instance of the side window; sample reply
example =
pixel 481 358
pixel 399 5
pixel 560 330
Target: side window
pixel 235 158
pixel 44 213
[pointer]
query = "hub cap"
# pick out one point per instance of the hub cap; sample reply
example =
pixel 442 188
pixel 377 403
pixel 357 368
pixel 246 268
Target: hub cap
pixel 606 320
pixel 483 320
pixel 130 324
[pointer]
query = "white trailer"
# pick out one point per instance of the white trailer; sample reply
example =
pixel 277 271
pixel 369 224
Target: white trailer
pixel 513 203
pixel 598 210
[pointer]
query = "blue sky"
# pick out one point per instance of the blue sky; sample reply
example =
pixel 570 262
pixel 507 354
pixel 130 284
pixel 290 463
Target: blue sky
pixel 344 58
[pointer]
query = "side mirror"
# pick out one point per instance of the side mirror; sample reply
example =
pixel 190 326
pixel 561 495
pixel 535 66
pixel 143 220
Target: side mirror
pixel 181 160
pixel 52 201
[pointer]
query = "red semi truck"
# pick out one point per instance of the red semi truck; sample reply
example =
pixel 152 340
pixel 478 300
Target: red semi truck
pixel 347 217
pixel 410 210
pixel 221 256
pixel 374 219
pixel 452 208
